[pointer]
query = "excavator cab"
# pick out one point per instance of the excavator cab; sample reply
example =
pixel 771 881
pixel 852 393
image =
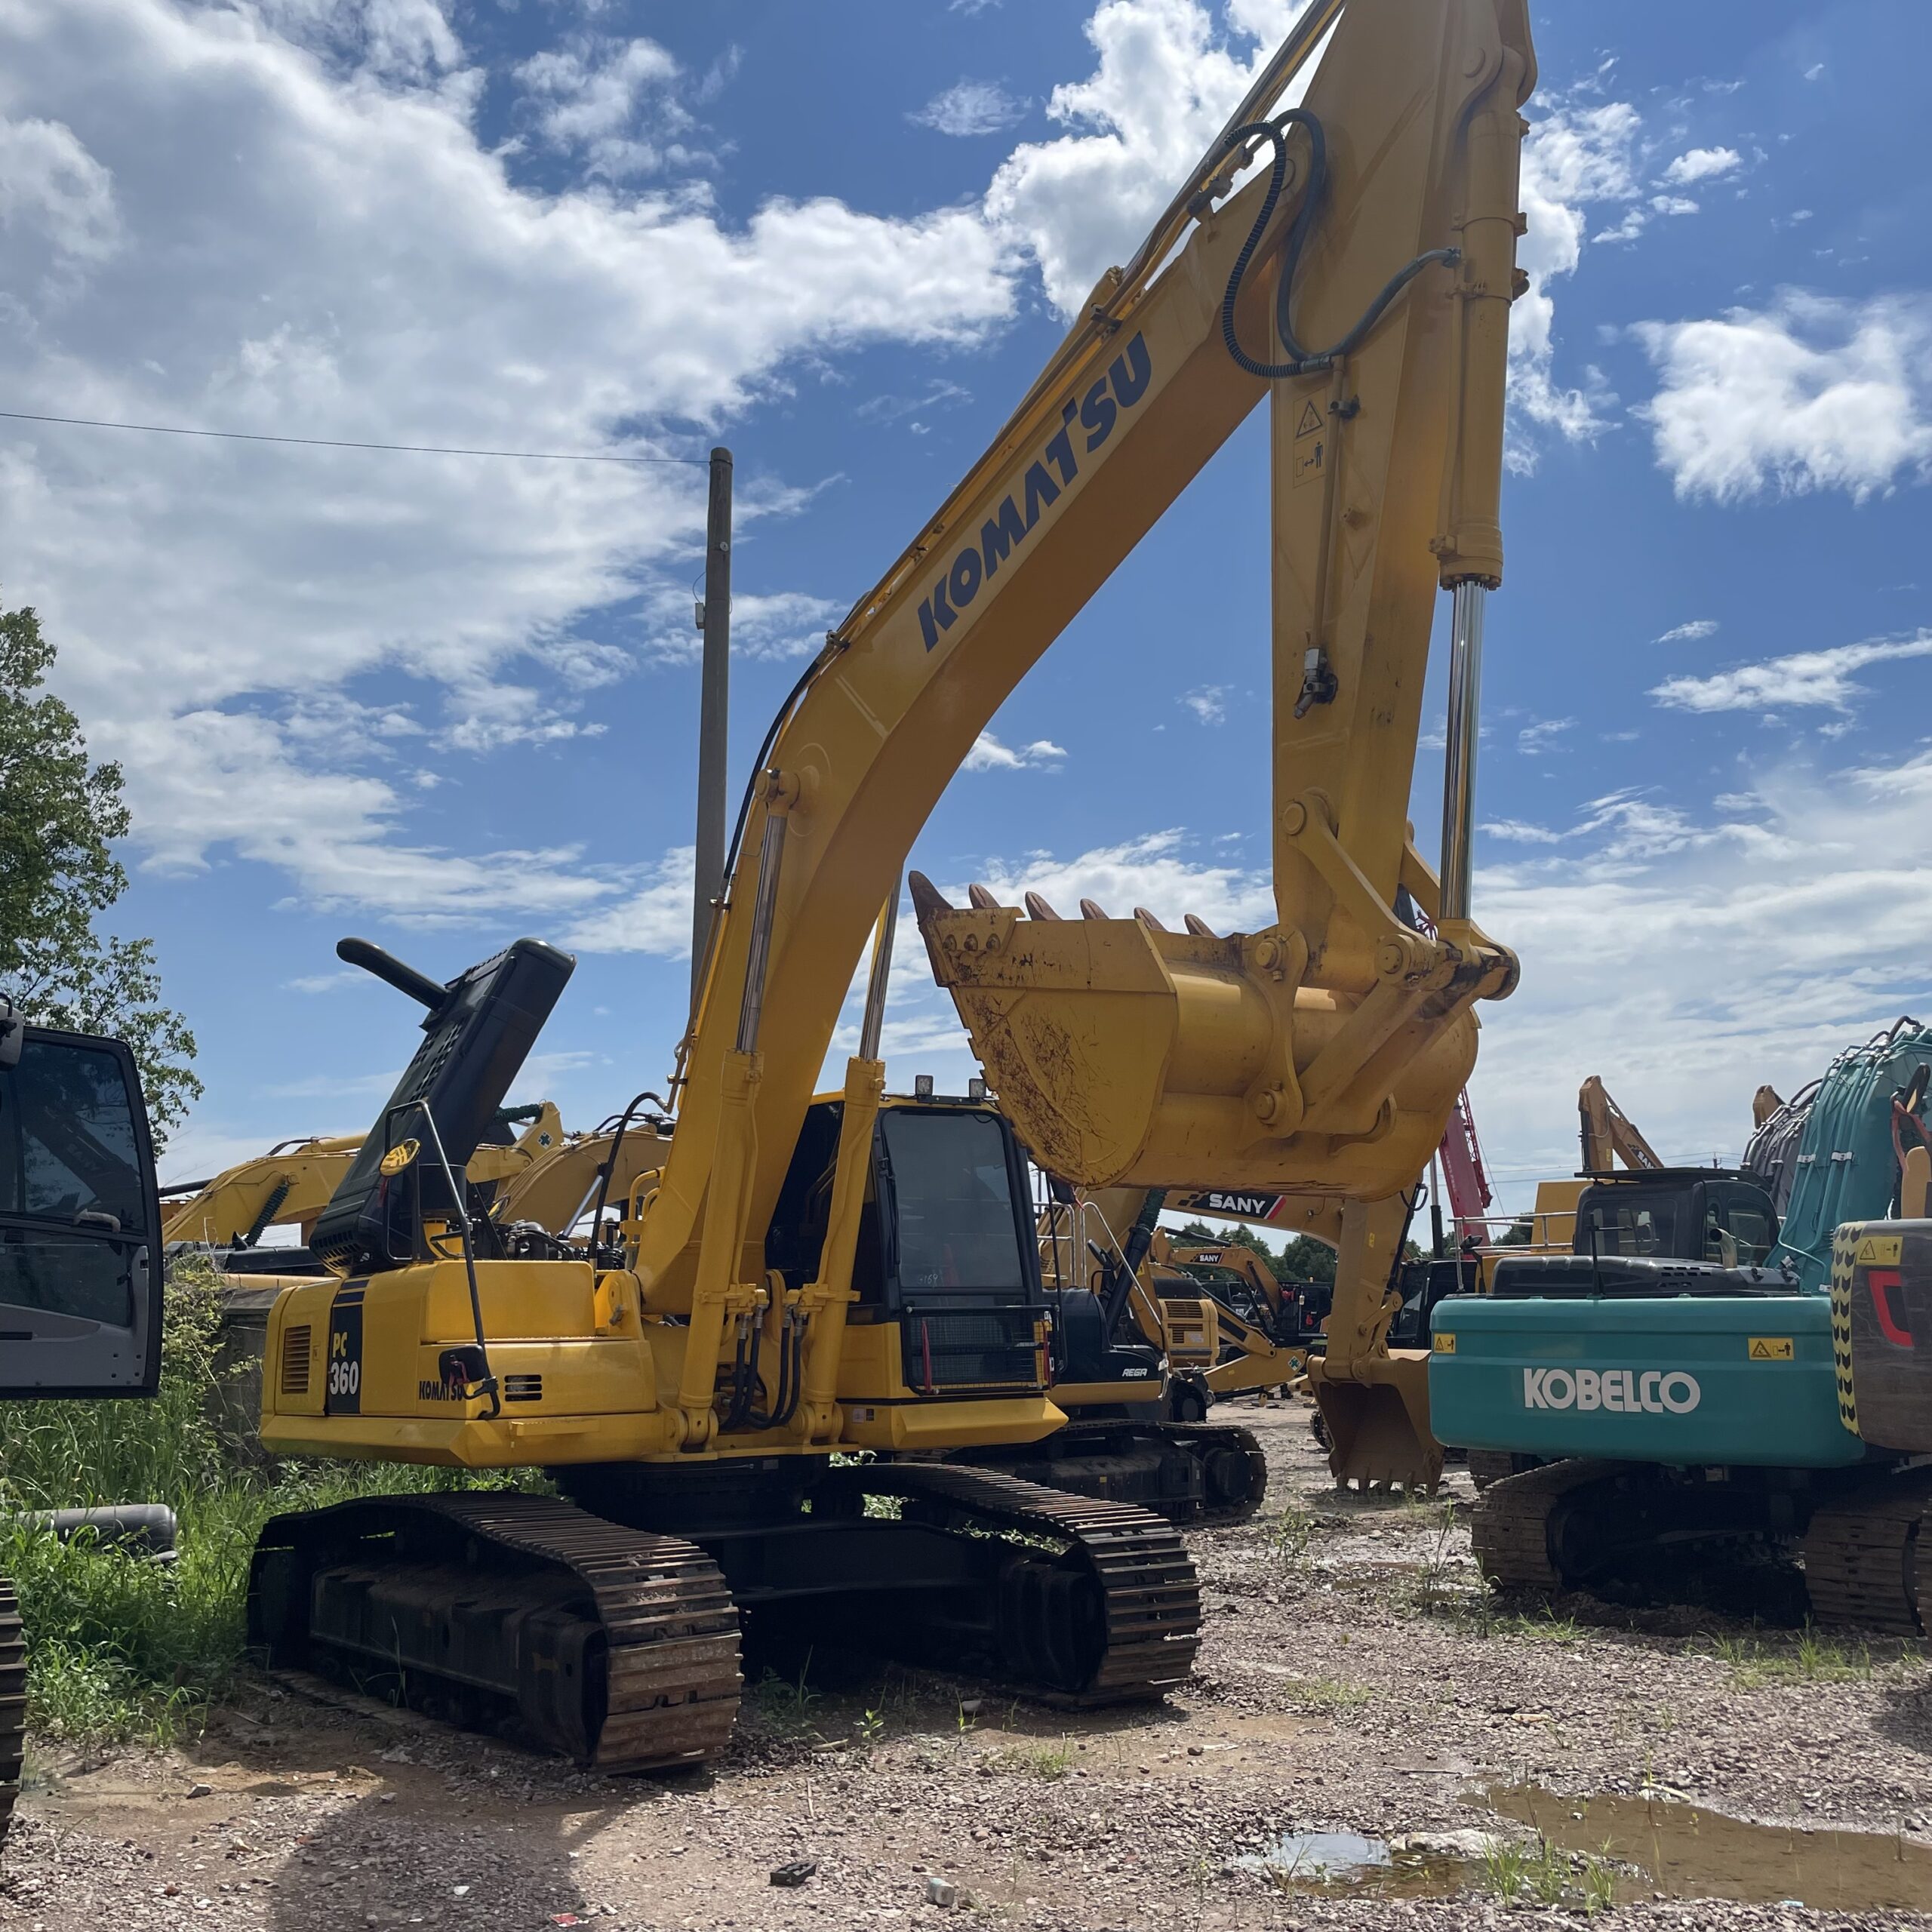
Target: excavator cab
pixel 80 1219
pixel 945 1273
pixel 1677 1214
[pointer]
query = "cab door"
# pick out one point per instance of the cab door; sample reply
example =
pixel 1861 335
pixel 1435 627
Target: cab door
pixel 80 1224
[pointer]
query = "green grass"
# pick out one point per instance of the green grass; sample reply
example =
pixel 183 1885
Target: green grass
pixel 1327 1693
pixel 1050 1763
pixel 1540 1873
pixel 1811 1660
pixel 1288 1536
pixel 120 1647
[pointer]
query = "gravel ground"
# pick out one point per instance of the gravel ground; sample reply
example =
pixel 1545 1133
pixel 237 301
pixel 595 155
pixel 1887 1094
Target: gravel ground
pixel 1354 1679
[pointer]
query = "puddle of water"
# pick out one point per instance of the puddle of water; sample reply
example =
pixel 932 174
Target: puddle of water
pixel 1304 1860
pixel 1692 1852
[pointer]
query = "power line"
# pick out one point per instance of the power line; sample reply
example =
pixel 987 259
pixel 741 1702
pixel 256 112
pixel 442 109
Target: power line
pixel 334 443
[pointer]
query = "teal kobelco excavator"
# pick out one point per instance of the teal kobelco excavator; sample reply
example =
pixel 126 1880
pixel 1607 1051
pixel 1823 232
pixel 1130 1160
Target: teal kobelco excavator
pixel 1688 1416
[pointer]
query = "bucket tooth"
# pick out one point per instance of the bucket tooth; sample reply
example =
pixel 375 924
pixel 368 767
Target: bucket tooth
pixel 926 897
pixel 1037 908
pixel 1090 908
pixel 1148 920
pixel 982 897
pixel 1199 927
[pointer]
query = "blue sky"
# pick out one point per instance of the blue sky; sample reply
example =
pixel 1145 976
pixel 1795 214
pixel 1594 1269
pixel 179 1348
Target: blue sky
pixel 442 701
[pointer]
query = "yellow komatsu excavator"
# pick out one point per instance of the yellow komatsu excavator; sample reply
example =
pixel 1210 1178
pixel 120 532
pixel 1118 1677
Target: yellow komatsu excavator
pixel 290 1186
pixel 855 1272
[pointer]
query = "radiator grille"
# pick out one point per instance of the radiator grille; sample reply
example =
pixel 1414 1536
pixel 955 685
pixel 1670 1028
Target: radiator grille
pixel 295 1350
pixel 976 1349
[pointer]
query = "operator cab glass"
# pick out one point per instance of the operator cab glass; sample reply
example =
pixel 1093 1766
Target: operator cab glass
pixel 1688 1218
pixel 1633 1223
pixel 945 1247
pixel 79 1222
pixel 958 1222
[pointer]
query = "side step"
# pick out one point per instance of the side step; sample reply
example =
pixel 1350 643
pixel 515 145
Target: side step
pixel 1188 1472
pixel 618 1649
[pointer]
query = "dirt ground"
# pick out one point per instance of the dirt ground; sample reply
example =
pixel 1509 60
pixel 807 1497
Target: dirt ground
pixel 1354 1680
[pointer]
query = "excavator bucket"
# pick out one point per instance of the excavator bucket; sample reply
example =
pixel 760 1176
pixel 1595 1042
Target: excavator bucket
pixel 1377 1424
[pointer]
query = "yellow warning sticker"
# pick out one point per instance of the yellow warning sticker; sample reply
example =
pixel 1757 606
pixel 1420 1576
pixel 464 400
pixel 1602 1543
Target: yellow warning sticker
pixel 1771 1348
pixel 1308 460
pixel 1445 1345
pixel 1880 1250
pixel 1311 420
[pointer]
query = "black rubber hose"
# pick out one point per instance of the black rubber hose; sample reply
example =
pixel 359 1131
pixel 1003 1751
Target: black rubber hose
pixel 611 1165
pixel 1303 362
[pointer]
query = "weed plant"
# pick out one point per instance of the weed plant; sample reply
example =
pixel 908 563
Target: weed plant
pixel 119 1646
pixel 1811 1660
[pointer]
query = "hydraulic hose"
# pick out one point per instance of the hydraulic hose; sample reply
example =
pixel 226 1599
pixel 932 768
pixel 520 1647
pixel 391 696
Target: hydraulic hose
pixel 1302 361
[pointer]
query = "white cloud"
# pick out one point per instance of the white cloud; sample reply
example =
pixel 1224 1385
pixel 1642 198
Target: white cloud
pixel 588 97
pixel 969 107
pixel 1520 833
pixel 1818 679
pixel 655 918
pixel 1535 739
pixel 988 754
pixel 1673 205
pixel 380 275
pixel 1577 155
pixel 1692 632
pixel 1206 702
pixel 1153 871
pixel 53 190
pixel 333 833
pixel 1165 81
pixel 1687 956
pixel 1815 73
pixel 1701 164
pixel 1811 394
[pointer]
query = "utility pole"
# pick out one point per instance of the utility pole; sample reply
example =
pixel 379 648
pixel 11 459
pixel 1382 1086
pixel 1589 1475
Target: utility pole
pixel 714 619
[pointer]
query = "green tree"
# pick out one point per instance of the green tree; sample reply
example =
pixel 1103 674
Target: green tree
pixel 60 815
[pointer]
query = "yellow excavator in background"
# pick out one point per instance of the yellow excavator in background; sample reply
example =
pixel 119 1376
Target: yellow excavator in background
pixel 1608 1134
pixel 857 1273
pixel 290 1186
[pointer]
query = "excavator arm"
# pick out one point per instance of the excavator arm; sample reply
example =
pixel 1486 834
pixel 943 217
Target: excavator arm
pixel 1324 1053
pixel 1608 1134
pixel 291 1185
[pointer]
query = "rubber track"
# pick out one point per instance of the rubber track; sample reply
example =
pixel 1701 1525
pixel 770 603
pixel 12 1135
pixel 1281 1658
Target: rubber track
pixel 13 1703
pixel 1510 1533
pixel 1151 1597
pixel 672 1663
pixel 1868 1556
pixel 1488 1467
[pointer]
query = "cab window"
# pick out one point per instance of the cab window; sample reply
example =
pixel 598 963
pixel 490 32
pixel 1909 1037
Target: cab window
pixel 956 1227
pixel 72 1197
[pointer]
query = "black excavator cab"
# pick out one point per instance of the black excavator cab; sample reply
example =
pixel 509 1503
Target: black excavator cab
pixel 478 1030
pixel 80 1218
